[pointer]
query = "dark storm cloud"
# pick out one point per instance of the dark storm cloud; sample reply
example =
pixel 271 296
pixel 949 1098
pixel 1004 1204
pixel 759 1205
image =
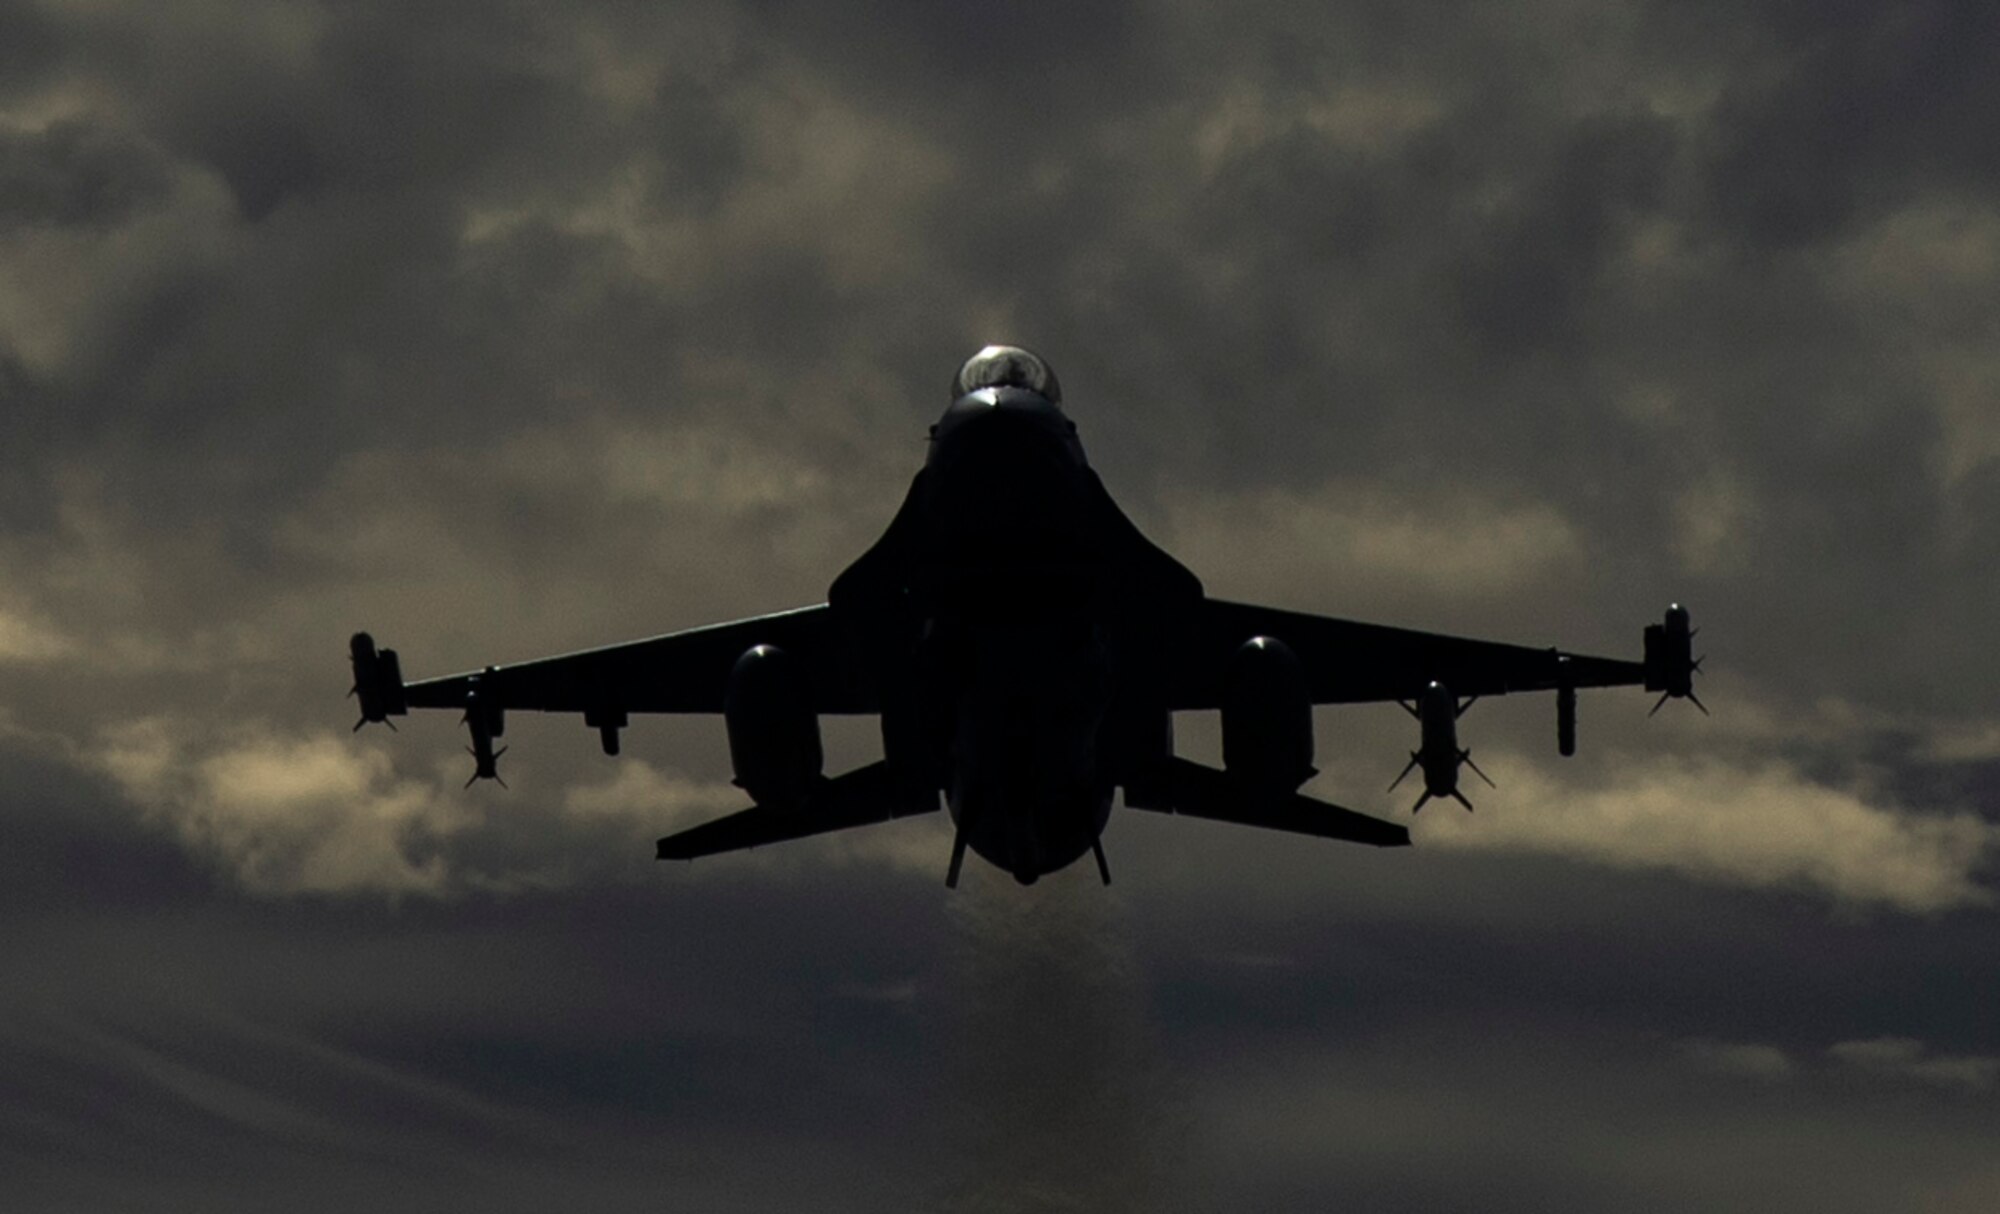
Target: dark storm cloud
pixel 1849 111
pixel 72 843
pixel 500 330
pixel 30 49
pixel 76 173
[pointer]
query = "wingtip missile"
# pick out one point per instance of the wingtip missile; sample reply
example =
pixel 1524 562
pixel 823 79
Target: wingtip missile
pixel 378 681
pixel 1670 662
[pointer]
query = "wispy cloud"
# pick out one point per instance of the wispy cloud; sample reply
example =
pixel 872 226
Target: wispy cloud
pixel 1740 1058
pixel 1898 1059
pixel 1763 825
pixel 288 814
pixel 321 813
pixel 1365 537
pixel 24 638
pixel 1906 1058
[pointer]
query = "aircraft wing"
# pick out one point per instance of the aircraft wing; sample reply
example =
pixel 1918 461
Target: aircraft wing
pixel 679 672
pixel 861 797
pixel 1347 662
pixel 1194 791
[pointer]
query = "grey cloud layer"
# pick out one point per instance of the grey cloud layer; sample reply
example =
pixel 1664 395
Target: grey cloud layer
pixel 499 329
pixel 1383 250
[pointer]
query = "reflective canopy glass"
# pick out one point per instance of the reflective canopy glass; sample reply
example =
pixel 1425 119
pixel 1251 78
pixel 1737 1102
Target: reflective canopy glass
pixel 1007 367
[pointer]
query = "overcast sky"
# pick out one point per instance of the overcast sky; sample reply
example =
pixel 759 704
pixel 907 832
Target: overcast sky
pixel 500 329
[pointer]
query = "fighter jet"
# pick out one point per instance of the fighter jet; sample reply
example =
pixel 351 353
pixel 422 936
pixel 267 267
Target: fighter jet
pixel 1025 648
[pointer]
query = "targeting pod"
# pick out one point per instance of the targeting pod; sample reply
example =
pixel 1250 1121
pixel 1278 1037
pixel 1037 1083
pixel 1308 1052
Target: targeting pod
pixel 1670 661
pixel 378 681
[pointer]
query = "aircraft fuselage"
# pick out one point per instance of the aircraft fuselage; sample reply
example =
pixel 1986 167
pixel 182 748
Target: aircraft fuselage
pixel 1015 632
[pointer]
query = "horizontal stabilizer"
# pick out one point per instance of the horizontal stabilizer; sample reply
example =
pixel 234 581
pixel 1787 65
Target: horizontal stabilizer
pixel 1204 792
pixel 861 797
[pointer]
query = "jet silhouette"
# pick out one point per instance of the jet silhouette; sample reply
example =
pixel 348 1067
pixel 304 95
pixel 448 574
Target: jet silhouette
pixel 1025 648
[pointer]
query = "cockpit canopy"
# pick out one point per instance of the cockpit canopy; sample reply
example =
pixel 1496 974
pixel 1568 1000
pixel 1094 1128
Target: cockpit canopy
pixel 1007 367
pixel 1013 389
